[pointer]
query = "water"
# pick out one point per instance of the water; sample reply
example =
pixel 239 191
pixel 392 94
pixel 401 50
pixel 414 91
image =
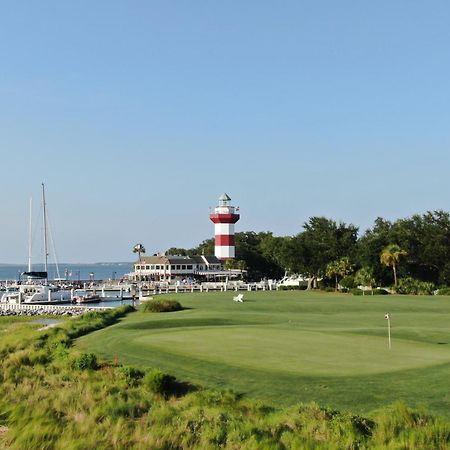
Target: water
pixel 109 302
pixel 46 321
pixel 97 271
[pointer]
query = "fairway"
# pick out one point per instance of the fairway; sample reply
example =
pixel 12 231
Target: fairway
pixel 287 347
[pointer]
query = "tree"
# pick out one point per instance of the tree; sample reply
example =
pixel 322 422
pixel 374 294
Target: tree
pixel 139 248
pixel 322 241
pixel 371 244
pixel 390 256
pixel 177 251
pixel 339 268
pixel 238 264
pixel 332 271
pixel 364 277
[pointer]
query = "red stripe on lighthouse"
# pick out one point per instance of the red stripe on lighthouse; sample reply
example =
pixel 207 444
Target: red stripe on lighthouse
pixel 224 240
pixel 224 218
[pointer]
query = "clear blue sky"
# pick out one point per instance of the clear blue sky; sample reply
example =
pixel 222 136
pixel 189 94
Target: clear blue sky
pixel 138 114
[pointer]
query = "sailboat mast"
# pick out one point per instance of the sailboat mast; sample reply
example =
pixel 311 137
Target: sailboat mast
pixel 30 232
pixel 45 230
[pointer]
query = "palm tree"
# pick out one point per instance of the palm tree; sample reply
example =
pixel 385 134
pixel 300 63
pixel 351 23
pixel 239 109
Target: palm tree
pixel 364 277
pixel 139 248
pixel 345 266
pixel 340 267
pixel 333 270
pixel 390 256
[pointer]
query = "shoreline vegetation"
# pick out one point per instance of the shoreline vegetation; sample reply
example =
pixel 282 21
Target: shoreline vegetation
pixel 55 396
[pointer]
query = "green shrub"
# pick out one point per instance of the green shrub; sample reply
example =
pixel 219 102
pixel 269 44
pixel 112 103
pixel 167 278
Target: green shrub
pixel 380 292
pixel 86 361
pixel 162 306
pixel 158 382
pixel 412 286
pixel 444 291
pixel 348 282
pixel 356 291
pixel 131 375
pixel 302 287
pixel 329 289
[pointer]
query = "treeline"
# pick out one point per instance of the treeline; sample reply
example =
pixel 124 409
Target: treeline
pixel 403 253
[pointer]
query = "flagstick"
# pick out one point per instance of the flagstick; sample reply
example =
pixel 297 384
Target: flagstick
pixel 387 316
pixel 389 332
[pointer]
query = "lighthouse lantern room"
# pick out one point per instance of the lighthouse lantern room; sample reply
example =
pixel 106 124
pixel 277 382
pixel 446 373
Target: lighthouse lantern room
pixel 224 218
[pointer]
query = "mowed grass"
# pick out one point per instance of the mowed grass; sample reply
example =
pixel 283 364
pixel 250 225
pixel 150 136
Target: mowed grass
pixel 289 347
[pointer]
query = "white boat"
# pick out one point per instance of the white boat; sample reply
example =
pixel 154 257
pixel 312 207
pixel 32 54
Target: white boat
pixel 37 291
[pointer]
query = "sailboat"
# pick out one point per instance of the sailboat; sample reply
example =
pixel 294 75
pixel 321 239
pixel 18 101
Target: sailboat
pixel 37 289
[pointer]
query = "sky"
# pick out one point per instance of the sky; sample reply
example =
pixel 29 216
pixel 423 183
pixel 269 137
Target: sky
pixel 137 115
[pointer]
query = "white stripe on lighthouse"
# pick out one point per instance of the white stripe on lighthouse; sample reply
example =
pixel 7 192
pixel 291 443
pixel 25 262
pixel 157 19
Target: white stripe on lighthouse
pixel 223 228
pixel 223 252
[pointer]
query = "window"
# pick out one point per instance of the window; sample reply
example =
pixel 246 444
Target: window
pixel 157 267
pixel 189 267
pixel 178 267
pixel 183 267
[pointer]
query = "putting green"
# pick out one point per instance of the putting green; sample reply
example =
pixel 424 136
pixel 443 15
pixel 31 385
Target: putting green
pixel 295 351
pixel 289 347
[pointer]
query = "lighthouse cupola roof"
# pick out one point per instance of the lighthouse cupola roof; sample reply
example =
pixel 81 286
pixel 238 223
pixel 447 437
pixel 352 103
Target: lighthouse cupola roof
pixel 224 200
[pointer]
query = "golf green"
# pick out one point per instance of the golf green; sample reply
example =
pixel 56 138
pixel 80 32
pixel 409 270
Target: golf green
pixel 286 347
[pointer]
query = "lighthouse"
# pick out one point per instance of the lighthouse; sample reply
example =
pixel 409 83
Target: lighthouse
pixel 224 218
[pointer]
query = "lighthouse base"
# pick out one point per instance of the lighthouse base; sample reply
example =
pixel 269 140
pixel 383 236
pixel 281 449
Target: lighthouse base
pixel 223 252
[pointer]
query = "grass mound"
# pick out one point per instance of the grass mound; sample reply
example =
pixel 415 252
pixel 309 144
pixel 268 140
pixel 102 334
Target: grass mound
pixel 50 403
pixel 295 346
pixel 166 305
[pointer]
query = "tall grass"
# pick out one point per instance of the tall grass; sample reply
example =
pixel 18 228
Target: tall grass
pixel 52 397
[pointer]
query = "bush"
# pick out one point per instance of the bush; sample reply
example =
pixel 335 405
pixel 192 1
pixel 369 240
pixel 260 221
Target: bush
pixel 348 282
pixel 86 361
pixel 380 292
pixel 356 291
pixel 131 375
pixel 329 289
pixel 414 287
pixel 302 287
pixel 158 382
pixel 444 291
pixel 162 306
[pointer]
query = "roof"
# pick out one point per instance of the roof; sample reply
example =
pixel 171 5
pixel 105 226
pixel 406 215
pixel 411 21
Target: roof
pixel 156 259
pixel 212 259
pixel 180 260
pixel 162 259
pixel 198 259
pixel 224 197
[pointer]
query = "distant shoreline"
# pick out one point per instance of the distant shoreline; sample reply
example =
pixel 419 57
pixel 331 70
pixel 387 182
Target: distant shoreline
pixel 76 263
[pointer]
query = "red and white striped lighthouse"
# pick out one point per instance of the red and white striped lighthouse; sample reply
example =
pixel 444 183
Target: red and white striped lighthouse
pixel 224 218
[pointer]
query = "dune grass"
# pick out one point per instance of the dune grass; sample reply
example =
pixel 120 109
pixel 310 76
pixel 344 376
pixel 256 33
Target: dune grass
pixel 290 347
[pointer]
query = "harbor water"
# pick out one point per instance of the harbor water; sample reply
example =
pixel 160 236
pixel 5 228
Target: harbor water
pixel 73 272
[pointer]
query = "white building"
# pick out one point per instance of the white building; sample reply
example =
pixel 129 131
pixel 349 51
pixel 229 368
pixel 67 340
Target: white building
pixel 170 268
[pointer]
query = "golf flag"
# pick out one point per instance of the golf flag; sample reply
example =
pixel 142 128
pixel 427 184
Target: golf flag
pixel 386 316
